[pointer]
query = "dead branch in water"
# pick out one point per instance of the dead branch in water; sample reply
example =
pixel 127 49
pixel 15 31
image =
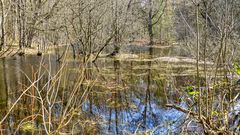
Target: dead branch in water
pixel 208 127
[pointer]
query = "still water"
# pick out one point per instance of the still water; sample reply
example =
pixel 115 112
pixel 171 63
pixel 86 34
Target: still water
pixel 124 95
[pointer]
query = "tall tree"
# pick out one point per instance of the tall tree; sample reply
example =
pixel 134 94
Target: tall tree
pixel 2 25
pixel 151 11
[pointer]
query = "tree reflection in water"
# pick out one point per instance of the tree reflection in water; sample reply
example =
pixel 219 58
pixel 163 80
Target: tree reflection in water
pixel 127 96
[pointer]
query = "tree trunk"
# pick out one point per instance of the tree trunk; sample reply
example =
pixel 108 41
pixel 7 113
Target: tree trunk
pixel 23 23
pixel 150 24
pixel 19 23
pixel 30 37
pixel 2 25
pixel 115 27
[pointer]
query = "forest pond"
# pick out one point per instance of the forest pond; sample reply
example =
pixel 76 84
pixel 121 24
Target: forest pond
pixel 126 95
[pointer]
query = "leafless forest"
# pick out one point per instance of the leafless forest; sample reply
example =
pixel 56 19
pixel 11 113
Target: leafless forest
pixel 119 67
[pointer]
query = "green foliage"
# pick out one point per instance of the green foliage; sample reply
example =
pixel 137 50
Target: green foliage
pixel 28 127
pixel 237 68
pixel 214 113
pixel 190 88
pixel 191 91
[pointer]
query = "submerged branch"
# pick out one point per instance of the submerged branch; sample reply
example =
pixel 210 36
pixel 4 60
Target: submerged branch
pixel 182 109
pixel 205 122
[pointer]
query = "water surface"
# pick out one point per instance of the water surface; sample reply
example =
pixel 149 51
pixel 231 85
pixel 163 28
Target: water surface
pixel 126 96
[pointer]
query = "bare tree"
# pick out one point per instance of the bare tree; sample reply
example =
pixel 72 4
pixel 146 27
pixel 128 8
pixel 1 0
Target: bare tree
pixel 2 25
pixel 151 12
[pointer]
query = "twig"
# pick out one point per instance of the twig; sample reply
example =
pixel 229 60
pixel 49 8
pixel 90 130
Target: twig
pixel 182 109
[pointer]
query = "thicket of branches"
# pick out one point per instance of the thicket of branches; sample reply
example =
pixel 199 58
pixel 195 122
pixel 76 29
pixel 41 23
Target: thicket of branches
pixel 93 25
pixel 207 30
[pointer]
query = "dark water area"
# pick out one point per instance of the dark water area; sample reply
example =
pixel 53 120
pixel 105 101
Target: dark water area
pixel 127 96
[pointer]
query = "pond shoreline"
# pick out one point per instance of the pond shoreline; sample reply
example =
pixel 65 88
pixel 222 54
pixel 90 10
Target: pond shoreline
pixel 13 51
pixel 34 50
